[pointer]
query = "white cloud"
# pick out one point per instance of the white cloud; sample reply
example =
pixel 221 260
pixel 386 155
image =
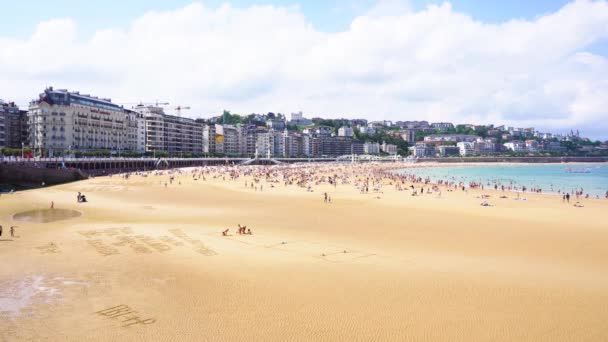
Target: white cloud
pixel 393 63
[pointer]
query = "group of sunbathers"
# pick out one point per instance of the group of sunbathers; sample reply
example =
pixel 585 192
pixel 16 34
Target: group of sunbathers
pixel 243 230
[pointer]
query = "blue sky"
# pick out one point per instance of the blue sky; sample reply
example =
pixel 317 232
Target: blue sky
pixel 326 15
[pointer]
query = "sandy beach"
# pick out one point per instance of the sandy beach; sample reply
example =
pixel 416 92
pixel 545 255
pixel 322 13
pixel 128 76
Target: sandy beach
pixel 145 259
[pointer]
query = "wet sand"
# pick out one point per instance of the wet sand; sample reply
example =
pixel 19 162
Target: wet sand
pixel 148 262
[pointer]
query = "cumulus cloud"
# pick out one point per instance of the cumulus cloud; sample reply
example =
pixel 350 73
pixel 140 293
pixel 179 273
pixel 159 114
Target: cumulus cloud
pixel 392 63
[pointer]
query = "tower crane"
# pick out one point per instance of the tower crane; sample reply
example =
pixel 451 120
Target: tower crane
pixel 179 109
pixel 141 104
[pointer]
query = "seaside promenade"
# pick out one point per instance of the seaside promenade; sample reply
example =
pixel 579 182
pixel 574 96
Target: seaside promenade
pixel 146 259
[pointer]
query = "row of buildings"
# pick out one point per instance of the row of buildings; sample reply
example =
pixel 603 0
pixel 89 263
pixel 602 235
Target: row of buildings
pixel 469 146
pixel 62 122
pixel 13 126
pixel 252 140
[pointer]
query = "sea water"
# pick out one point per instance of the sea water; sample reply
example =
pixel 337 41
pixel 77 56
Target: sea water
pixel 591 178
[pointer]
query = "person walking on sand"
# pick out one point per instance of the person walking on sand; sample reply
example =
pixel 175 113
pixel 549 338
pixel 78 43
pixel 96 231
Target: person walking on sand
pixel 13 231
pixel 0 231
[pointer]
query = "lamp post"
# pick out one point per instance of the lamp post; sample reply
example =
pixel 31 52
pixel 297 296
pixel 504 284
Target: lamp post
pixel 22 147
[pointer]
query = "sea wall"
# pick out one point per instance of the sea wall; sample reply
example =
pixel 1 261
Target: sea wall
pixel 28 175
pixel 516 160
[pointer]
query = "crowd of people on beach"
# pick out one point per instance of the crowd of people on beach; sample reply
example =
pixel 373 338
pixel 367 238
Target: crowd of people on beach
pixel 365 178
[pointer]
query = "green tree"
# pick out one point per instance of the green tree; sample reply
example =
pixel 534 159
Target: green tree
pixel 230 119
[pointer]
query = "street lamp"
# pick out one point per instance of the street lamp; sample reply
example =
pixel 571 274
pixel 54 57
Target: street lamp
pixel 22 146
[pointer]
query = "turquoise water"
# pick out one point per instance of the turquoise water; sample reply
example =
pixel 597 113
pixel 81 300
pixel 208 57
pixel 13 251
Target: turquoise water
pixel 549 178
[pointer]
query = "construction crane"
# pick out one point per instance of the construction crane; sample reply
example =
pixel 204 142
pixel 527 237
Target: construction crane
pixel 141 104
pixel 179 109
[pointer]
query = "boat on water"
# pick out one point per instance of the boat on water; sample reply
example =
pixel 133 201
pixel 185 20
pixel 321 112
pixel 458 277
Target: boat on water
pixel 578 170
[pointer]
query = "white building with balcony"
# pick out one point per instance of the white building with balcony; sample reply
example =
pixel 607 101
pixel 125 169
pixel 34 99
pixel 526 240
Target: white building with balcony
pixel 346 131
pixel 371 148
pixel 466 148
pixel 61 121
pixel 388 148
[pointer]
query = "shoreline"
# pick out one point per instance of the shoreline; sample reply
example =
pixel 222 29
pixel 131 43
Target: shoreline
pixel 491 182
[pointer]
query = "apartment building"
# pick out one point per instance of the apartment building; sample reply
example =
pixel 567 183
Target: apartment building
pixel 169 133
pixel 13 126
pixel 208 139
pixel 371 148
pixel 60 121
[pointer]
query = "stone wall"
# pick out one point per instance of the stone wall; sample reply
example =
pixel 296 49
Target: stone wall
pixel 17 173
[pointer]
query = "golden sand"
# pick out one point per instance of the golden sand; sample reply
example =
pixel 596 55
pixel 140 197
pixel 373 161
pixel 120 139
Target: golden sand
pixel 148 262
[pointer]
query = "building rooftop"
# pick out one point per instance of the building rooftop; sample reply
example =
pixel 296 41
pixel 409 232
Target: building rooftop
pixel 65 97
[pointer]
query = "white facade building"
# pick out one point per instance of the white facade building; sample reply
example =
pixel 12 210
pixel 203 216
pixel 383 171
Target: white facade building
pixel 226 137
pixel 61 121
pixel 170 133
pixel 265 144
pixel 366 130
pixel 345 131
pixel 466 148
pixel 371 148
pixel 442 126
pixel 209 139
pixel 515 146
pixel 297 116
pixel 388 148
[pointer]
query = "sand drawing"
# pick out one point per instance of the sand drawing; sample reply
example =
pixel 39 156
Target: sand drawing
pixel 197 245
pixel 102 248
pixel 107 232
pixel 108 241
pixel 151 242
pixel 125 240
pixel 124 315
pixel 170 240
